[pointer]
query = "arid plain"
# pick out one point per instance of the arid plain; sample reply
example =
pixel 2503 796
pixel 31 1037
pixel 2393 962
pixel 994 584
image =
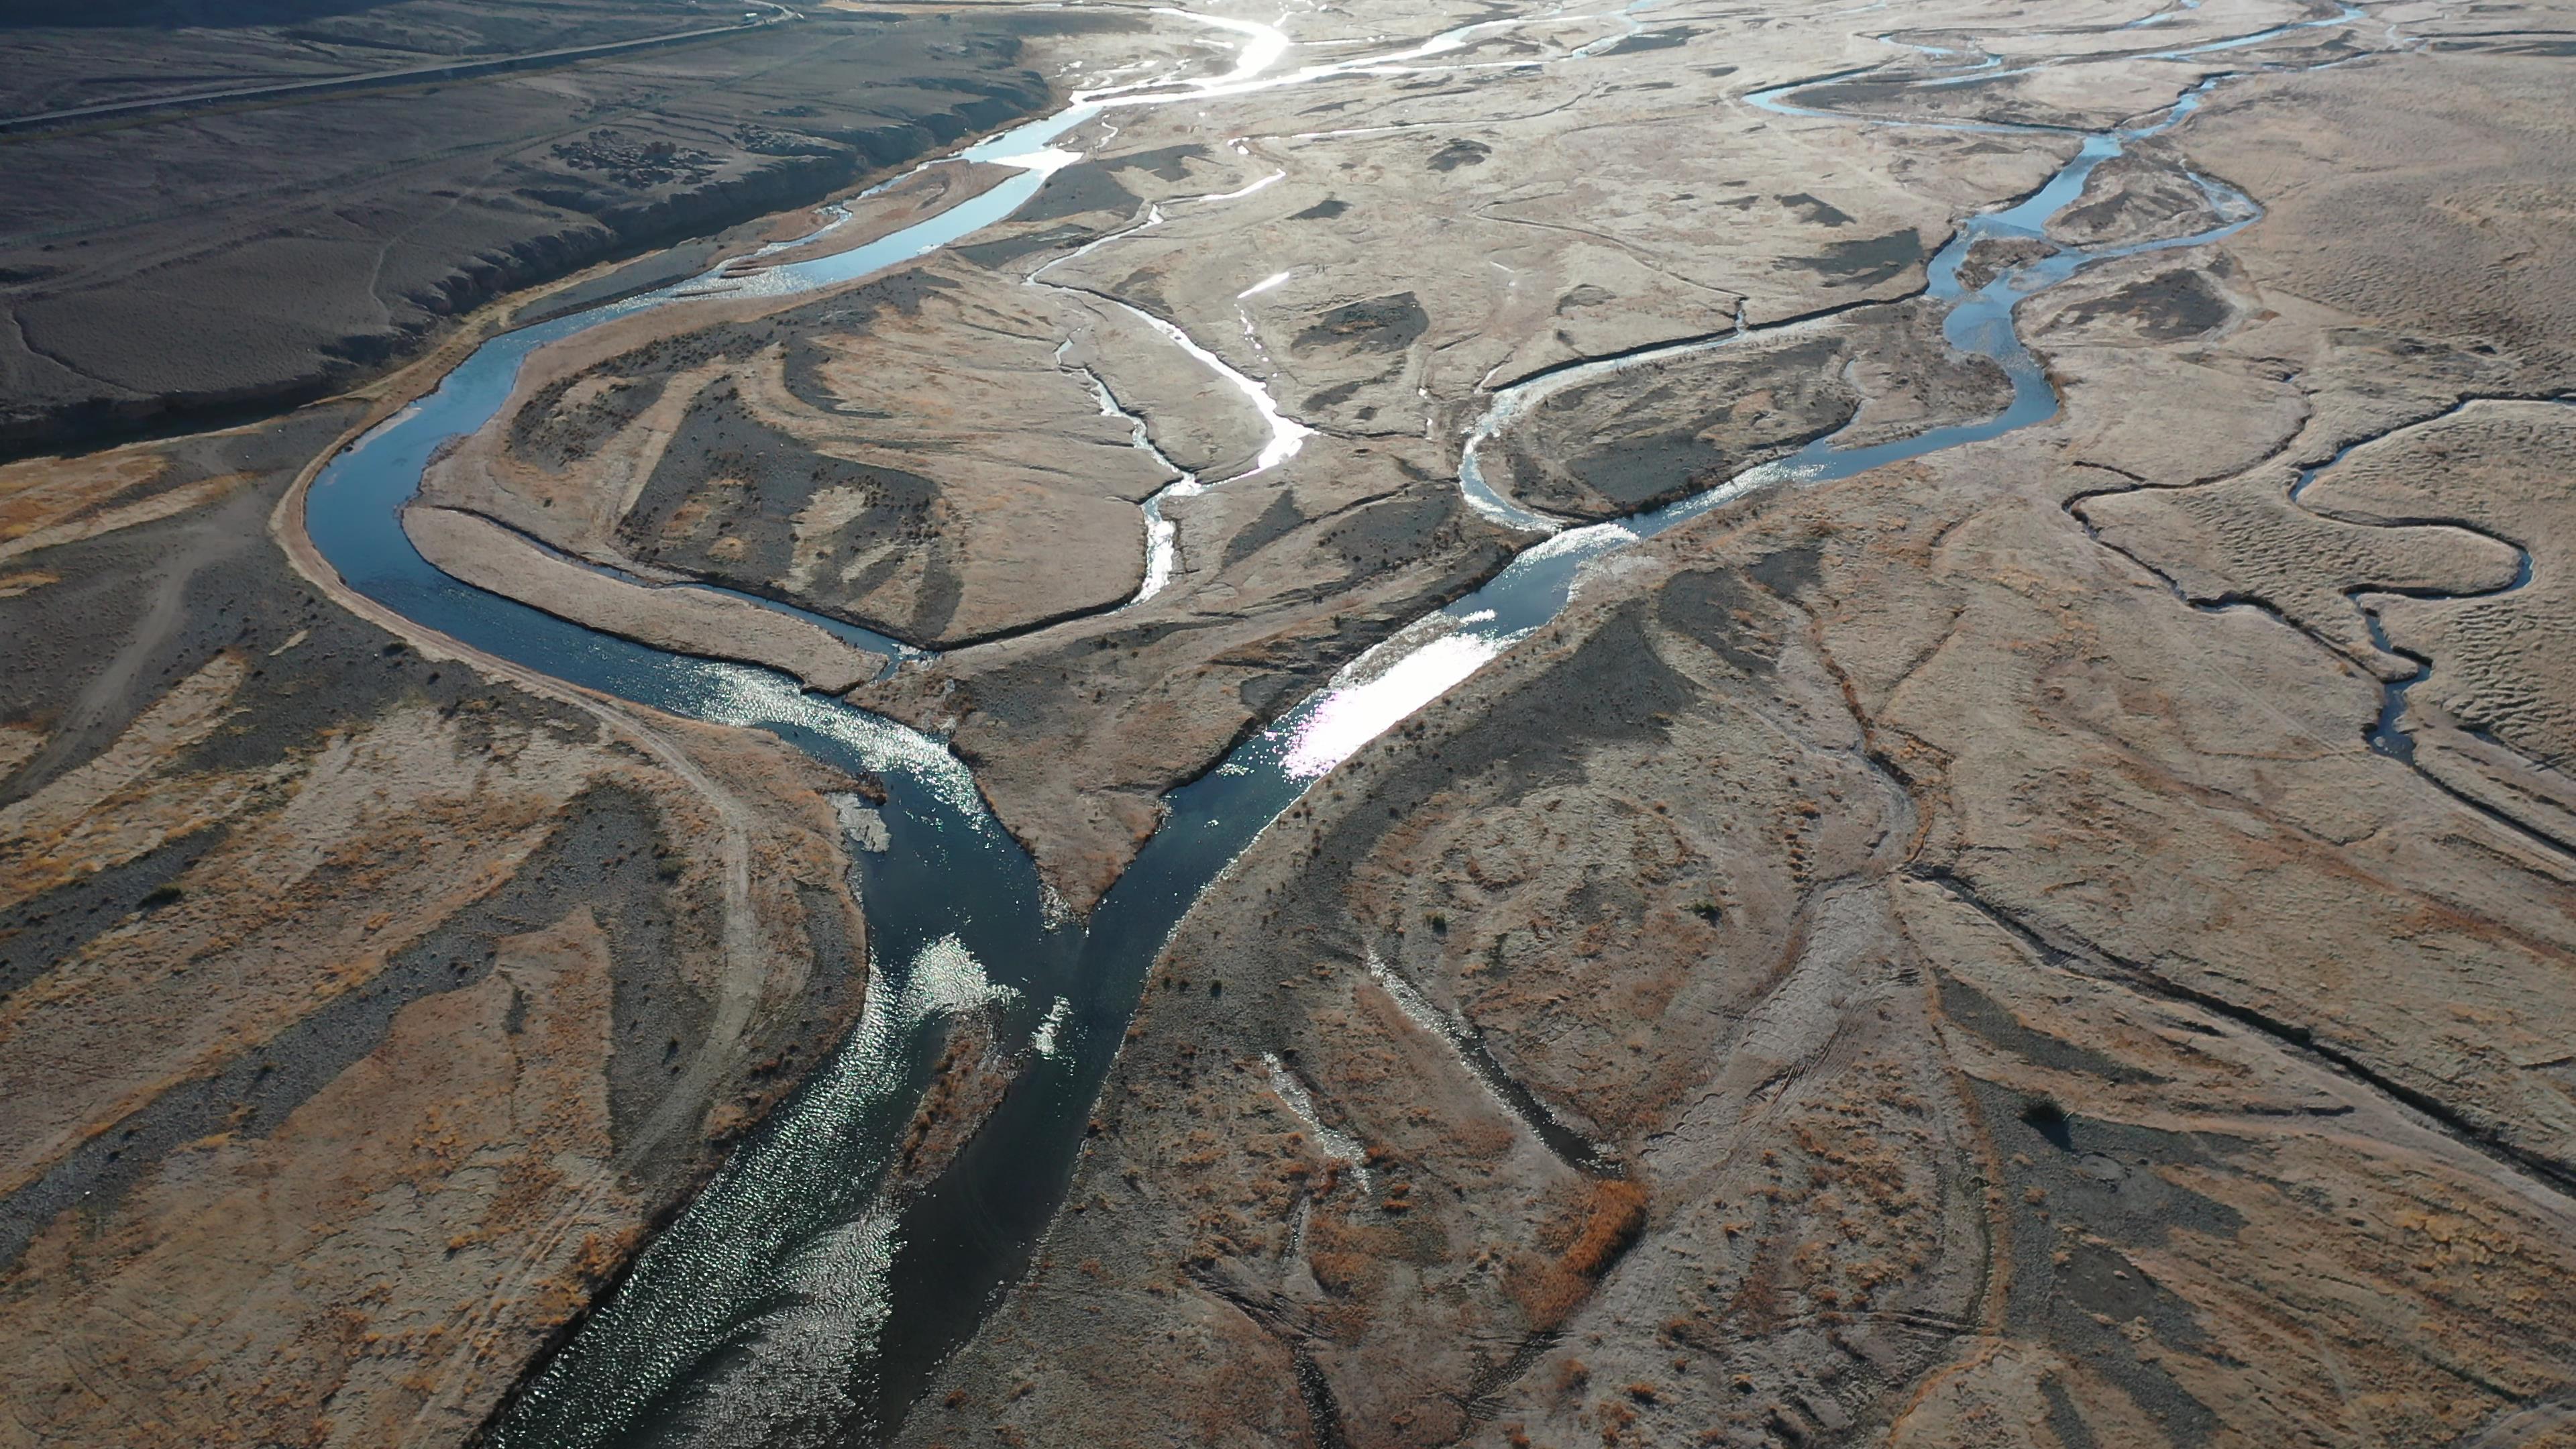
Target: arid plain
pixel 2041 913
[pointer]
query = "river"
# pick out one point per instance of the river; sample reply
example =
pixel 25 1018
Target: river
pixel 794 1300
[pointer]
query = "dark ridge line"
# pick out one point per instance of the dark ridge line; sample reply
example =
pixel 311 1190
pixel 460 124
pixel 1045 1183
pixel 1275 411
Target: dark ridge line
pixel 1482 1400
pixel 1323 1415
pixel 1320 591
pixel 104 424
pixel 149 109
pixel 1011 632
pixel 651 586
pixel 1563 1143
pixel 2450 1122
pixel 1917 1320
pixel 1728 334
pixel 1572 1149
pixel 2486 736
pixel 1314 1390
pixel 2501 1432
pixel 1828 78
pixel 1870 752
pixel 2139 480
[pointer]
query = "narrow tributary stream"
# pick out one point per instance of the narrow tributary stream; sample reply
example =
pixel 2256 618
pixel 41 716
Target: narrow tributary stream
pixel 794 1301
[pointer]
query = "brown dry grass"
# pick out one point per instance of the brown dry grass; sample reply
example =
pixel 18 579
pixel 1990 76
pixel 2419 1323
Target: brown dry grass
pixel 1609 1218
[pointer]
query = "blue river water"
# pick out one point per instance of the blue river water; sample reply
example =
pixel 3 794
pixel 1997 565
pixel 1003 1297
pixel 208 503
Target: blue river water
pixel 793 1301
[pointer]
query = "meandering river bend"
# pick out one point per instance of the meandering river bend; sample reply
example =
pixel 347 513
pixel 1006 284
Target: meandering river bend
pixel 794 1300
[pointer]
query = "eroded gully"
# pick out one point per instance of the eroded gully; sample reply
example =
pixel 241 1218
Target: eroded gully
pixel 795 1300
